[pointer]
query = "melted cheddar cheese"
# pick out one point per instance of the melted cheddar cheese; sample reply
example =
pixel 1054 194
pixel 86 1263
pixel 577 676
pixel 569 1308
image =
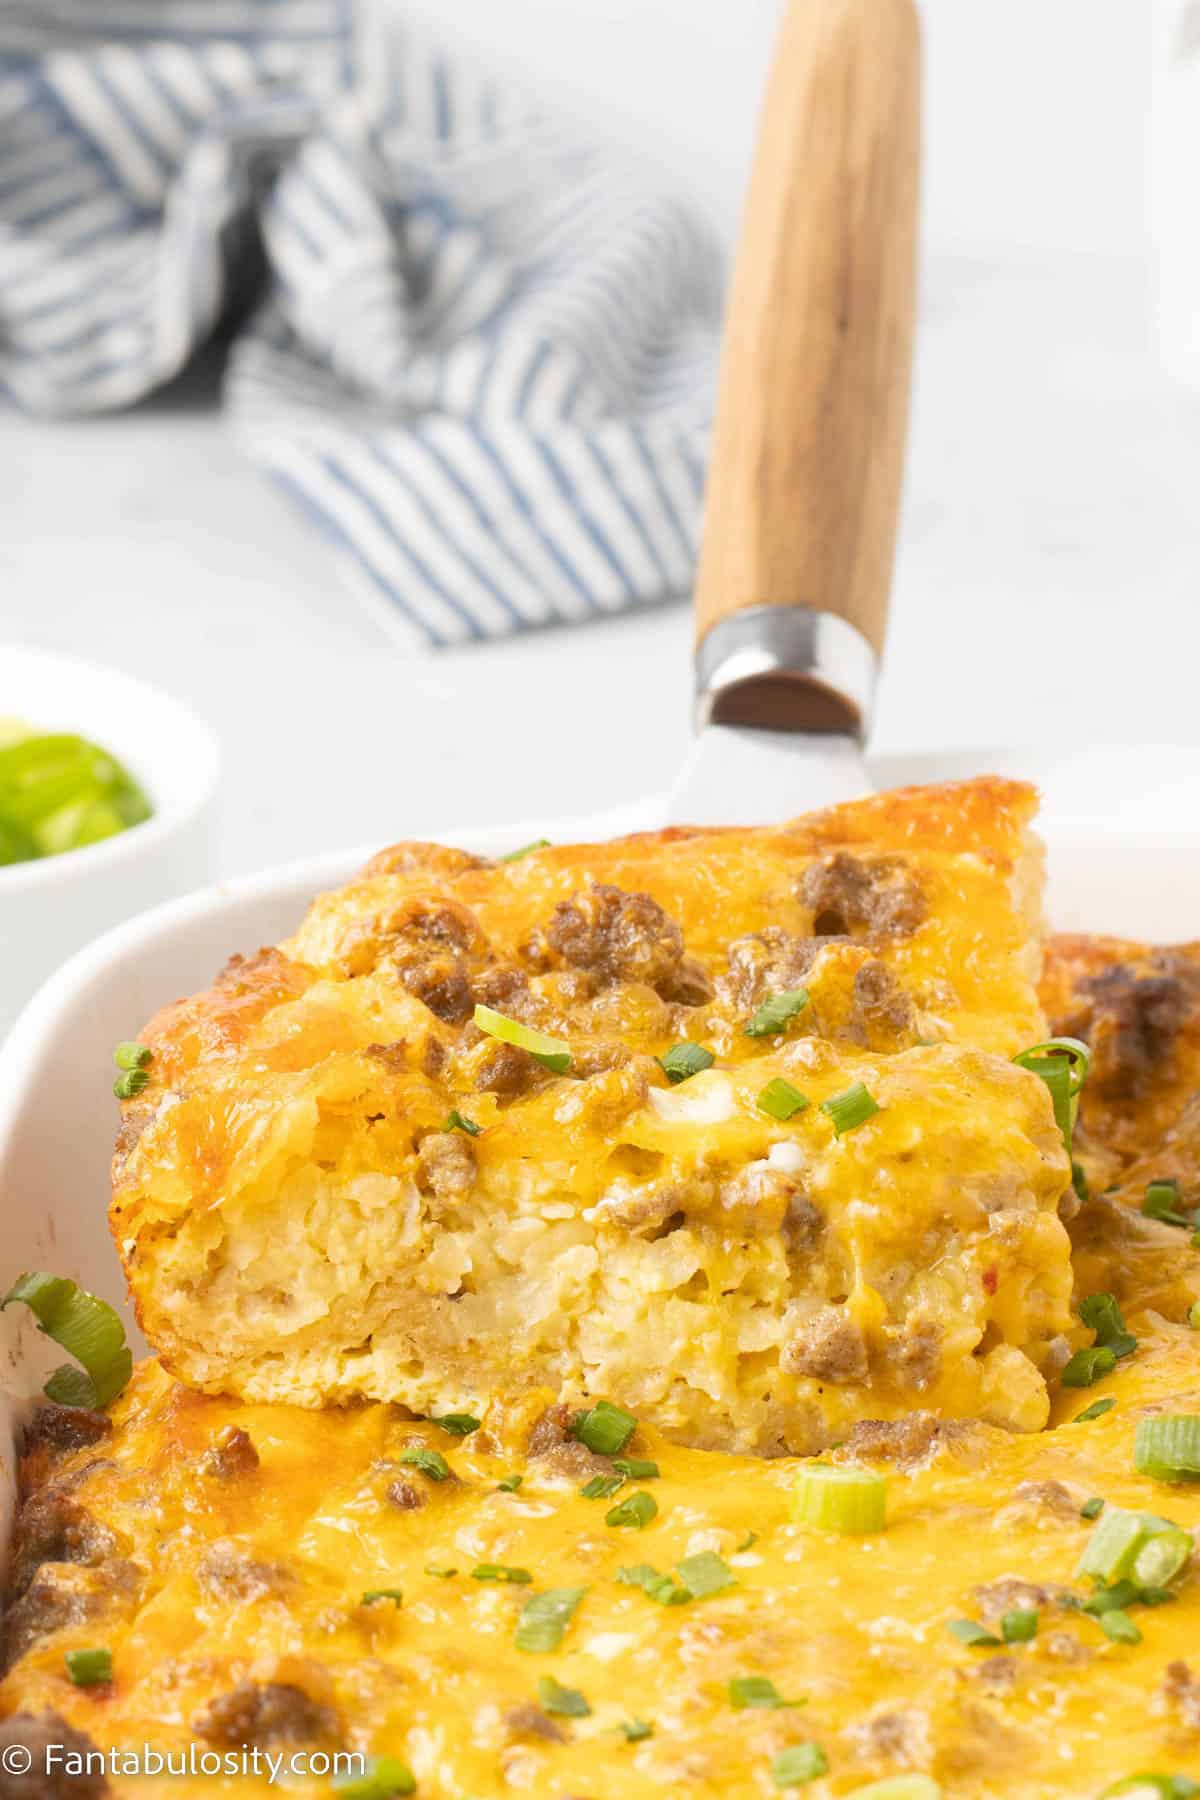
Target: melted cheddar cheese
pixel 231 1600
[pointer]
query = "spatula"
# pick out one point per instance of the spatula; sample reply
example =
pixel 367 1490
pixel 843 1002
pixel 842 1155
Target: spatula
pixel 812 407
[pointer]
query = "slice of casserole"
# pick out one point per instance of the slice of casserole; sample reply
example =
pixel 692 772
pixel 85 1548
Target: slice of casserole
pixel 768 1170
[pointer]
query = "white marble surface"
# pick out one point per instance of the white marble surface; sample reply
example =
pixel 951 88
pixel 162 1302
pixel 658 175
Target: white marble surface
pixel 1048 586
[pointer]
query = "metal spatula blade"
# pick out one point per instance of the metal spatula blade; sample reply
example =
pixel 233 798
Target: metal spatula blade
pixel 808 442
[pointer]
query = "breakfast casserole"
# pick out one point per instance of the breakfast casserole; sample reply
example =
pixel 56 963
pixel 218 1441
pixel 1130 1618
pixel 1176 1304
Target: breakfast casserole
pixel 546 1571
pixel 722 1125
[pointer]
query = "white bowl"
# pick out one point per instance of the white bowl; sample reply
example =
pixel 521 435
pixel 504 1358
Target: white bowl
pixel 50 908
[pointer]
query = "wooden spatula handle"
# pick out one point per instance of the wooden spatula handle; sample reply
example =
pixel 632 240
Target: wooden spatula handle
pixel 808 444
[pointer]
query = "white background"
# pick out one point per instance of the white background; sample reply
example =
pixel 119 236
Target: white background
pixel 1047 577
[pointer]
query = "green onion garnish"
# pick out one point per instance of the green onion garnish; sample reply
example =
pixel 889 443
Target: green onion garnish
pixel 1161 1202
pixel 636 1511
pixel 1194 1315
pixel 371 1595
pixel 776 1013
pixel 1091 1509
pixel 757 1691
pixel 833 1498
pixel 747 1543
pixel 545 1617
pixel 604 1428
pixel 86 1328
pixel 1063 1064
pixel 601 1487
pixel 510 1484
pixel 851 1109
pixel 525 850
pixel 1118 1626
pixel 1149 1786
pixel 551 1052
pixel 780 1100
pixel 501 1572
pixel 129 1085
pixel 444 1574
pixel 798 1765
pixel 662 1588
pixel 456 1121
pixel 1086 1367
pixel 1096 1410
pixel 635 1730
pixel 1102 1315
pixel 683 1061
pixel 430 1462
pixel 567 1702
pixel 1020 1625
pixel 382 1777
pixel 1167 1447
pixel 968 1632
pixel 88 1668
pixel 1124 1545
pixel 458 1424
pixel 637 1468
pixel 131 1056
pixel 704 1574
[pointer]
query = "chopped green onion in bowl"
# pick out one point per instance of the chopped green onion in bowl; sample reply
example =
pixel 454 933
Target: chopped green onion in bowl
pixel 61 792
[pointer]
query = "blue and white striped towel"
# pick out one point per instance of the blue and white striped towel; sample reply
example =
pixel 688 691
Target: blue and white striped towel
pixel 477 352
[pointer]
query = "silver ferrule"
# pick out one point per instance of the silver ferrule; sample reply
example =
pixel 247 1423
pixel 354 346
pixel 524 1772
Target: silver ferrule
pixel 786 668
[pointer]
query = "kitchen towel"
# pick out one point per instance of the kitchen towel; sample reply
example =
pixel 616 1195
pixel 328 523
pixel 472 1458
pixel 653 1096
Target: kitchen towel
pixel 475 349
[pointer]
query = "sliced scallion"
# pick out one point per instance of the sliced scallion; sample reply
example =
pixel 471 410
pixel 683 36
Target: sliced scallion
pixel 634 1512
pixel 757 1691
pixel 458 1424
pixel 601 1487
pixel 704 1574
pixel 969 1632
pixel 841 1499
pixel 501 1572
pixel 1166 1446
pixel 131 1055
pixel 780 1100
pixel 430 1462
pixel 88 1668
pixel 86 1328
pixel 849 1110
pixel 1102 1315
pixel 456 1121
pixel 634 1730
pixel 1118 1626
pixel 776 1013
pixel 1161 1202
pixel 551 1052
pixel 567 1703
pixel 1063 1064
pixel 1091 1509
pixel 637 1468
pixel 1086 1367
pixel 129 1085
pixel 798 1765
pixel 371 1595
pixel 663 1589
pixel 382 1777
pixel 545 1617
pixel 604 1428
pixel 1020 1625
pixel 683 1061
pixel 1096 1410
pixel 525 850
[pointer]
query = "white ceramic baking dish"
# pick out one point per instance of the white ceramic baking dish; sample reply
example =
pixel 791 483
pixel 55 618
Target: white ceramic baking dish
pixel 1123 835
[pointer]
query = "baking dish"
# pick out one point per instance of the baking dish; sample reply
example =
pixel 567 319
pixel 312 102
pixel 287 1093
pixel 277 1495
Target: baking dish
pixel 1123 855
